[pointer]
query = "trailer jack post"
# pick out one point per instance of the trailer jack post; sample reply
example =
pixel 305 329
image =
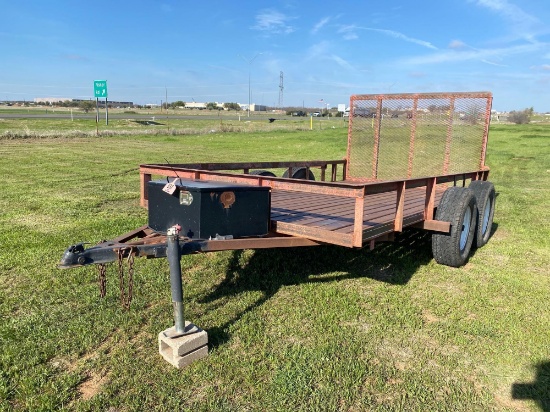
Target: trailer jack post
pixel 173 254
pixel 183 343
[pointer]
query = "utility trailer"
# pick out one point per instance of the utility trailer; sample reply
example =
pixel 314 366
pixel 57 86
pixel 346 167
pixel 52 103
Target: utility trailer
pixel 417 161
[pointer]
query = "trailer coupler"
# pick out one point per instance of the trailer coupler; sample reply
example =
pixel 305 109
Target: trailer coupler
pixel 106 252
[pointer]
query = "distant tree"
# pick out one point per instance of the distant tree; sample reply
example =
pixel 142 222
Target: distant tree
pixel 232 106
pixel 521 117
pixel 177 104
pixel 86 105
pixel 473 115
pixel 212 106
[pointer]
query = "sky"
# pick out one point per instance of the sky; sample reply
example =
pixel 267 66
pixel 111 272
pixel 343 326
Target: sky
pixel 212 51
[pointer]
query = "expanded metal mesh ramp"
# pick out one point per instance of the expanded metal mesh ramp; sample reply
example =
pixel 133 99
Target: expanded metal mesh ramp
pixel 401 136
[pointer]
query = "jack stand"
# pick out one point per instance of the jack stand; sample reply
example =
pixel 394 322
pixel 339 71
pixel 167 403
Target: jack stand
pixel 183 350
pixel 184 342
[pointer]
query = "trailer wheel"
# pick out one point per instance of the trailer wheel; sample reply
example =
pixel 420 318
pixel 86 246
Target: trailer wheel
pixel 484 193
pixel 300 173
pixel 458 206
pixel 262 173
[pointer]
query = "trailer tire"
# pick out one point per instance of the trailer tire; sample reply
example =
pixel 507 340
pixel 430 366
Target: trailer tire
pixel 457 206
pixel 484 193
pixel 300 173
pixel 262 173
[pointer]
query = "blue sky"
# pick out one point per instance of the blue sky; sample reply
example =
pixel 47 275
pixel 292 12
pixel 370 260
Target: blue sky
pixel 205 50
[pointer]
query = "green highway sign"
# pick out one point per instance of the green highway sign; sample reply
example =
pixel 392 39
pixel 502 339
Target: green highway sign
pixel 100 88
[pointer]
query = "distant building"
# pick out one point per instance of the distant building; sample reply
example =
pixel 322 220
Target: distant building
pixel 52 99
pixel 195 105
pixel 258 108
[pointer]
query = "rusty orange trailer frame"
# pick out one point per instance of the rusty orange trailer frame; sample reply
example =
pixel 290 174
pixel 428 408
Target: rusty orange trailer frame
pixel 463 118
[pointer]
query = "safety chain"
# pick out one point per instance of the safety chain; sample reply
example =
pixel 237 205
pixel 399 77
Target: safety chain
pixel 126 292
pixel 102 279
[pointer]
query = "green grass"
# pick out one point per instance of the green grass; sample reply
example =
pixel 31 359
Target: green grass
pixel 323 328
pixel 24 128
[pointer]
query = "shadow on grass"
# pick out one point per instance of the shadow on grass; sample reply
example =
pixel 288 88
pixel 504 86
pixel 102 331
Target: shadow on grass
pixel 148 123
pixel 539 390
pixel 270 269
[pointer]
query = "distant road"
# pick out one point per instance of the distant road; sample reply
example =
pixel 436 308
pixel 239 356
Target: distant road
pixel 125 116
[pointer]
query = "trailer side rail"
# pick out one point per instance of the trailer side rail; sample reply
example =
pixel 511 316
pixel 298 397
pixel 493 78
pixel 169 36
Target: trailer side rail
pixel 348 224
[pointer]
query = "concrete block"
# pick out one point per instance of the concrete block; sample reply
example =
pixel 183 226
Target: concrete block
pixel 184 350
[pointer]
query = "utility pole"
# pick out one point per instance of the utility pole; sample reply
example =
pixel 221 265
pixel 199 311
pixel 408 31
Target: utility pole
pixel 249 65
pixel 281 87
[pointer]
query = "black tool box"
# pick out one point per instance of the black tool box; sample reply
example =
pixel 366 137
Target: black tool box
pixel 209 209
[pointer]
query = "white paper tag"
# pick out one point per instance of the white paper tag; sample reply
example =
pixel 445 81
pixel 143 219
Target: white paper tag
pixel 170 187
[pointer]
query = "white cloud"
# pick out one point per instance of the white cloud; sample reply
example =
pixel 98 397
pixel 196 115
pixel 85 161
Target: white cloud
pixel 273 22
pixel 544 67
pixel 474 54
pixel 522 23
pixel 493 63
pixel 320 25
pixel 349 32
pixel 317 50
pixel 342 63
pixel 322 55
pixel 457 44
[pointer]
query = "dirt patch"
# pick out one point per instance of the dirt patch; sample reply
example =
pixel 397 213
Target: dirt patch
pixel 500 234
pixel 92 385
pixel 429 317
pixel 399 353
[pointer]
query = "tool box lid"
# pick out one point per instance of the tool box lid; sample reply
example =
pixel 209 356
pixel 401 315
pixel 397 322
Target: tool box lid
pixel 210 185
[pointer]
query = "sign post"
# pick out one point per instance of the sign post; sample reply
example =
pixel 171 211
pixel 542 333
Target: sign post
pixel 96 116
pixel 100 90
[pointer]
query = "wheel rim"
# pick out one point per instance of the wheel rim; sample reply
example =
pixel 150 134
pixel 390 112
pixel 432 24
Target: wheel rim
pixel 465 228
pixel 486 215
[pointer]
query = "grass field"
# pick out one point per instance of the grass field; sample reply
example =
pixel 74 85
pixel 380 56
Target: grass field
pixel 322 328
pixel 24 128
